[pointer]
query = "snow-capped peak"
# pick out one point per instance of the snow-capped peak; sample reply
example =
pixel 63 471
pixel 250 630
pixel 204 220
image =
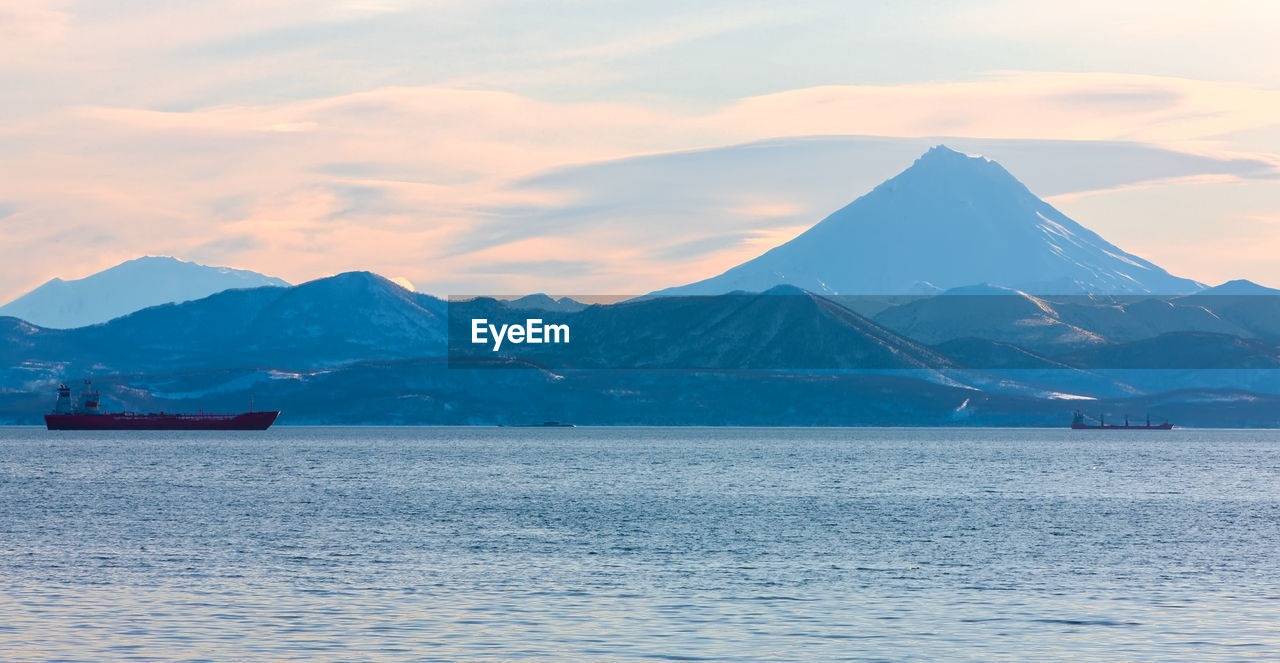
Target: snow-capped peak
pixel 951 220
pixel 127 287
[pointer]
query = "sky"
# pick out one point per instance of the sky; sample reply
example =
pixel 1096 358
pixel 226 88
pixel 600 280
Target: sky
pixel 492 146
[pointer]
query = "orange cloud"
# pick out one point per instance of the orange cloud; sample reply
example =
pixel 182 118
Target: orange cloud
pixel 394 179
pixel 1069 106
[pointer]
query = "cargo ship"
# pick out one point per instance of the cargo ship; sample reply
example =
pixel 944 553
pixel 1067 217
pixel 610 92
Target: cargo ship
pixel 1078 423
pixel 86 413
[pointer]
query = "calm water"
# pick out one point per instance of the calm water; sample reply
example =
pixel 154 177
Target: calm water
pixel 680 544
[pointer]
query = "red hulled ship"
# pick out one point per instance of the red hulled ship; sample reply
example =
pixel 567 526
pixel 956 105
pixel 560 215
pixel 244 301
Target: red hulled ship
pixel 86 413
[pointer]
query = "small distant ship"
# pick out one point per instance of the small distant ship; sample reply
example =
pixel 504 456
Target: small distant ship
pixel 86 413
pixel 1078 423
pixel 546 424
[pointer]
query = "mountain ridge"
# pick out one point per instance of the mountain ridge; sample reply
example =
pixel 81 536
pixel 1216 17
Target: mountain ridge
pixel 128 287
pixel 357 348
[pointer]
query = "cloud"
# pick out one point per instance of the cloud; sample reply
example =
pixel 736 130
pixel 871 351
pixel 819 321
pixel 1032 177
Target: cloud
pixel 700 246
pixel 219 250
pixel 552 268
pixel 682 29
pixel 430 182
pixel 1134 20
pixel 1124 99
pixel 753 190
pixel 1064 106
pixel 27 24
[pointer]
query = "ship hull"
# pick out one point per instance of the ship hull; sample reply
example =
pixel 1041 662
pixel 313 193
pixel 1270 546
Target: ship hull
pixel 1108 427
pixel 134 421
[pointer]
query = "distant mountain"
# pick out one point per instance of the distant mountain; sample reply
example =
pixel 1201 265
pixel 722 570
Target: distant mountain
pixel 1244 304
pixel 125 288
pixel 1054 324
pixel 1239 287
pixel 949 220
pixel 991 313
pixel 357 316
pixel 358 349
pixel 344 318
pixel 987 354
pixel 1186 350
pixel 783 328
pixel 544 302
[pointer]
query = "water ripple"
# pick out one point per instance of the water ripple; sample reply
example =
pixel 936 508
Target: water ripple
pixel 631 544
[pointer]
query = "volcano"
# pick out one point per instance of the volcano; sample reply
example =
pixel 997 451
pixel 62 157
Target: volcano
pixel 950 220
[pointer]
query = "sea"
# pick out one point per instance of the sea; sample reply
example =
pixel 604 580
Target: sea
pixel 644 544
